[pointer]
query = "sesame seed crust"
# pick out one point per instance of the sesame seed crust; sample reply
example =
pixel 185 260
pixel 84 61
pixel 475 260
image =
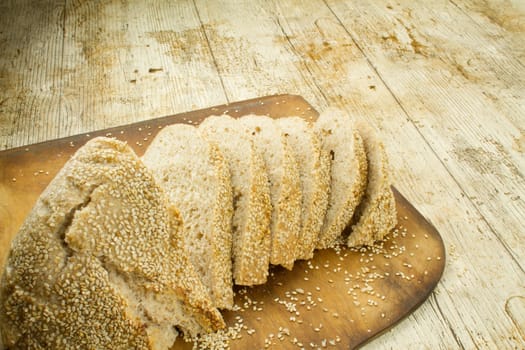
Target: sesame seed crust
pixel 252 207
pixel 196 178
pixel 222 222
pixel 89 251
pixel 256 246
pixel 376 215
pixel 314 170
pixel 349 169
pixel 285 187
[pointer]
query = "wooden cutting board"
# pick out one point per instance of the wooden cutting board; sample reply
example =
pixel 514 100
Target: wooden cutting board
pixel 341 298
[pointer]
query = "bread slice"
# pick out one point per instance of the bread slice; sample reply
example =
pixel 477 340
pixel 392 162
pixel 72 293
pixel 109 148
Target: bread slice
pixel 314 172
pixel 251 199
pixel 285 186
pixel 196 178
pixel 376 215
pixel 348 172
pixel 99 263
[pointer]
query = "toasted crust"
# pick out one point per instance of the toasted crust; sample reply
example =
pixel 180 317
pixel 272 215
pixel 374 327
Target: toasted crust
pixel 348 172
pixel 285 188
pixel 222 221
pixel 314 170
pixel 83 270
pixel 196 178
pixel 376 215
pixel 252 208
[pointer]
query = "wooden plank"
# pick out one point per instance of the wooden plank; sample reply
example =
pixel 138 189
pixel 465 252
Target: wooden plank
pixel 515 308
pixel 106 64
pixel 30 104
pixel 501 23
pixel 305 31
pixel 140 61
pixel 451 113
pixel 502 20
pixel 249 55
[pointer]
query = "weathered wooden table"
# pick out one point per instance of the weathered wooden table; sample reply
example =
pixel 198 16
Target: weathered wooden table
pixel 443 81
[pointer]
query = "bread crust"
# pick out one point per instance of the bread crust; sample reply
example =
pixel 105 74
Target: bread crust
pixel 196 179
pixel 89 250
pixel 285 188
pixel 376 215
pixel 251 199
pixel 314 169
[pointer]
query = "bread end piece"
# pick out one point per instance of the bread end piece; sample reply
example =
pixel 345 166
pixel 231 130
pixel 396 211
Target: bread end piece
pixel 376 215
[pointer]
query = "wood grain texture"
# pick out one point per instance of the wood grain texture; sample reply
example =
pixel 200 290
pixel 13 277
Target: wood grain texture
pixel 442 82
pixel 500 165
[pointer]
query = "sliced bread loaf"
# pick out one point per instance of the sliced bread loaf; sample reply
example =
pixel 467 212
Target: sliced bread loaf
pixel 348 172
pixel 196 178
pixel 251 199
pixel 314 171
pixel 99 263
pixel 285 186
pixel 376 215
